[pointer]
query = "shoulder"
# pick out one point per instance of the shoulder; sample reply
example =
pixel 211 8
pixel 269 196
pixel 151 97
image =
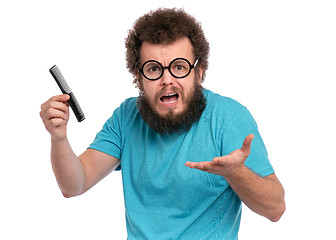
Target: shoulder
pixel 128 104
pixel 127 107
pixel 220 105
pixel 122 114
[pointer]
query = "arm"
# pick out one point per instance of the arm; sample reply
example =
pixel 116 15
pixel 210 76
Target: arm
pixel 264 196
pixel 74 175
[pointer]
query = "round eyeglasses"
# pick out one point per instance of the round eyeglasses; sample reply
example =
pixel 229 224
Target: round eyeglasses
pixel 178 68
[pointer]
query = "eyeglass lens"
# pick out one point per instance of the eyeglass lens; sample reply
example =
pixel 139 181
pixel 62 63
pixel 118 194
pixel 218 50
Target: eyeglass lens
pixel 179 68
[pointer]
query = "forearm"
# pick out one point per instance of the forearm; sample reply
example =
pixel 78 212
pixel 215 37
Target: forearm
pixel 264 196
pixel 68 170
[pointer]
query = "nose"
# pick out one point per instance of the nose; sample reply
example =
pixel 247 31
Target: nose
pixel 167 78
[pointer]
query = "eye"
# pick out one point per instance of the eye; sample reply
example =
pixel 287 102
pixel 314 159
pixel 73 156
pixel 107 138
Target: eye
pixel 154 69
pixel 179 67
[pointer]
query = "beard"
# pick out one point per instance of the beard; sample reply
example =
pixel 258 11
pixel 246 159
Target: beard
pixel 171 122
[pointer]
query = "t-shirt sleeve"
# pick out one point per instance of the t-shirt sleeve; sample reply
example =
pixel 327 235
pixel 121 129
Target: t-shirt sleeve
pixel 108 140
pixel 237 128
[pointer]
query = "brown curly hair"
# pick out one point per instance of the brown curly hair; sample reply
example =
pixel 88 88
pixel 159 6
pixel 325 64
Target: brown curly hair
pixel 164 26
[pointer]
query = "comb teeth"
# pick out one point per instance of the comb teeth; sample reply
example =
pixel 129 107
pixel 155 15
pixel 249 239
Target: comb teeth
pixel 56 73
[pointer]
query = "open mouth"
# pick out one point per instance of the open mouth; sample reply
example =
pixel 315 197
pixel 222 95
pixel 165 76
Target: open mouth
pixel 169 98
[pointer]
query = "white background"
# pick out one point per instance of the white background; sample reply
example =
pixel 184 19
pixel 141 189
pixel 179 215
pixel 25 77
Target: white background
pixel 278 58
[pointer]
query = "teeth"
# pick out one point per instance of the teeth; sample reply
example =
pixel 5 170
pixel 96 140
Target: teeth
pixel 172 101
pixel 169 95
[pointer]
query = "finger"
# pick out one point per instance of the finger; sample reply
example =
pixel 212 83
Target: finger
pixel 246 148
pixel 190 164
pixel 61 106
pixel 52 123
pixel 56 104
pixel 60 98
pixel 55 113
pixel 55 122
pixel 223 161
pixel 203 166
pixel 54 118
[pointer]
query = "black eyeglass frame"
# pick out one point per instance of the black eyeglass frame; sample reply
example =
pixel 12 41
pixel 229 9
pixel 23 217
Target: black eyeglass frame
pixel 163 68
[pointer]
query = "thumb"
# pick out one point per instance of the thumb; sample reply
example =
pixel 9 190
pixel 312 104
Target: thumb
pixel 246 148
pixel 60 98
pixel 64 97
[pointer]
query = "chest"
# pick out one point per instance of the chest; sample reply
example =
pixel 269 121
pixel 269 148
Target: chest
pixel 153 167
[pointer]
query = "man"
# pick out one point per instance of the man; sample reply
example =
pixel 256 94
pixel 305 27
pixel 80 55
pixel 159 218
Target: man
pixel 158 140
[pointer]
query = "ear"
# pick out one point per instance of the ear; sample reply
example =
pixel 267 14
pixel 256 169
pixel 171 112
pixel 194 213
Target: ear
pixel 200 71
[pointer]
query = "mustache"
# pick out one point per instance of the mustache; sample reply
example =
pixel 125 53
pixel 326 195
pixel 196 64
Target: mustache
pixel 165 90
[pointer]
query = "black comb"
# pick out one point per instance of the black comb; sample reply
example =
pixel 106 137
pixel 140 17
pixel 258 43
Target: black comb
pixel 56 73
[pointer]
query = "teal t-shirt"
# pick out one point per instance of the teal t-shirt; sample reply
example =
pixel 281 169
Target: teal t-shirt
pixel 164 199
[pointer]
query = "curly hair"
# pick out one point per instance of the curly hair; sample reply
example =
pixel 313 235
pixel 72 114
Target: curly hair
pixel 164 26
